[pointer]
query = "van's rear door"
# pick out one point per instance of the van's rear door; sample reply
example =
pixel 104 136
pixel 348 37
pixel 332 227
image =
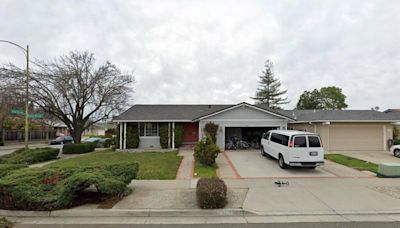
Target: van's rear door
pixel 299 152
pixel 316 151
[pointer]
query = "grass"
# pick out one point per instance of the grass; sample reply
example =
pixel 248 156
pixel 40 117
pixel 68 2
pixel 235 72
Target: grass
pixel 4 223
pixel 352 162
pixel 152 165
pixel 205 171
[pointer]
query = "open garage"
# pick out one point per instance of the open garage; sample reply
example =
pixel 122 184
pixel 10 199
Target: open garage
pixel 244 137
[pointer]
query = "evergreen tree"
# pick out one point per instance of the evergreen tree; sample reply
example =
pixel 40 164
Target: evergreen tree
pixel 268 91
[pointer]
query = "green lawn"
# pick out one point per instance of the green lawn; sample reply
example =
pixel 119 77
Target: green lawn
pixel 205 171
pixel 152 165
pixel 352 162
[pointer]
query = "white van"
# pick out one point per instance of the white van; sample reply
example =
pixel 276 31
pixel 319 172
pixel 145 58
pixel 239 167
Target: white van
pixel 293 148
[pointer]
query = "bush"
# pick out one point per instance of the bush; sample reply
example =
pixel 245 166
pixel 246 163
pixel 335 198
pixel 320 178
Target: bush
pixel 212 129
pixel 178 135
pixel 4 223
pixel 164 135
pixel 132 135
pixel 79 148
pixel 8 168
pixel 396 141
pixel 206 151
pixel 55 188
pixel 1 143
pixel 110 132
pixel 107 143
pixel 30 156
pixel 211 193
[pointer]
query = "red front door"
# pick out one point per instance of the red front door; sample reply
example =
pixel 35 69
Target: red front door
pixel 190 132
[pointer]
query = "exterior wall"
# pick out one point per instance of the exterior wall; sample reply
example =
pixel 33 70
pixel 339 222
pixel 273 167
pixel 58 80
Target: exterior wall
pixel 350 136
pixel 241 116
pixel 149 142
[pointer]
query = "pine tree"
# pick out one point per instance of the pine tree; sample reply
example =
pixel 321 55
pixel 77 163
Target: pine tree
pixel 268 91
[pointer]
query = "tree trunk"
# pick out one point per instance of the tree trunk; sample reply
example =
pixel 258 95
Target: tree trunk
pixel 77 135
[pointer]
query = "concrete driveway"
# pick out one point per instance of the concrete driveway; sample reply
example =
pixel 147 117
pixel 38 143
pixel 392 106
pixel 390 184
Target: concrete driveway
pixel 250 164
pixel 376 157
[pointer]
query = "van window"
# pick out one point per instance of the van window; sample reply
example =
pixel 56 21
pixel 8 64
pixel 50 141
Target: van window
pixel 313 141
pixel 300 141
pixel 281 139
pixel 266 135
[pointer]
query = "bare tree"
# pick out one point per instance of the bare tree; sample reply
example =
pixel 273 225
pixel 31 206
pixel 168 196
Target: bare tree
pixel 74 90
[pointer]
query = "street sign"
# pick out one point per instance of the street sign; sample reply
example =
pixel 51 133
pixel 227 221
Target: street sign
pixel 36 116
pixel 22 113
pixel 17 112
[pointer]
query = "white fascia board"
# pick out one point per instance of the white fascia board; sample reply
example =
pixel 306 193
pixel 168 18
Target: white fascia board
pixel 239 105
pixel 344 121
pixel 158 121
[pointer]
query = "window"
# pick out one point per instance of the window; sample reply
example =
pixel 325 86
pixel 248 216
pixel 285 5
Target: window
pixel 300 141
pixel 313 141
pixel 281 139
pixel 266 135
pixel 148 129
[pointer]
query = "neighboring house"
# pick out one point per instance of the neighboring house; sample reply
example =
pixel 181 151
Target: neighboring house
pixel 98 129
pixel 339 129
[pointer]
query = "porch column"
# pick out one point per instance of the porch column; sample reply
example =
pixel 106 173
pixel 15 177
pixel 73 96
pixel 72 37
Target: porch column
pixel 125 135
pixel 120 135
pixel 169 135
pixel 173 135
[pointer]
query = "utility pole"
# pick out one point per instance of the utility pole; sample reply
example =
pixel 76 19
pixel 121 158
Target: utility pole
pixel 27 100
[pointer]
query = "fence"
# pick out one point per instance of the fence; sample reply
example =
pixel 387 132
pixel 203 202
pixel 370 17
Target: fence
pixel 19 135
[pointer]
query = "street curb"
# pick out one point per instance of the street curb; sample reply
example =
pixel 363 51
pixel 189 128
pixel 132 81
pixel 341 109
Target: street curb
pixel 129 213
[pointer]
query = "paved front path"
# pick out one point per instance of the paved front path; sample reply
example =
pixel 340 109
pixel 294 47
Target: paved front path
pixel 251 164
pixel 186 169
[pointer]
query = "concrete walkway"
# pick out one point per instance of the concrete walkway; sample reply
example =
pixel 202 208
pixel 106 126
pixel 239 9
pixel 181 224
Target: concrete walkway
pixel 186 169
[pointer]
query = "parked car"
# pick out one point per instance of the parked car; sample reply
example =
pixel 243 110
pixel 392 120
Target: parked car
pixel 293 148
pixel 100 142
pixel 62 140
pixel 395 149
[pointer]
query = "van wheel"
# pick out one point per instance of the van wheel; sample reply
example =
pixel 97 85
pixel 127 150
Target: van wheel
pixel 263 152
pixel 281 162
pixel 312 167
pixel 396 153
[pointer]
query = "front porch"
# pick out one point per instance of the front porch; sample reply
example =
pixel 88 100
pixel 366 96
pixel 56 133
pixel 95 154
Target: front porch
pixel 147 136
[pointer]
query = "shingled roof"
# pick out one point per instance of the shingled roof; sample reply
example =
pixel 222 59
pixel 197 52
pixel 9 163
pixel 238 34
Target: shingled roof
pixel 186 113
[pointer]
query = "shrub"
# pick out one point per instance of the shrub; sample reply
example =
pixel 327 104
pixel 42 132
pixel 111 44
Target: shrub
pixel 178 135
pixel 396 141
pixel 79 148
pixel 116 138
pixel 4 223
pixel 110 132
pixel 7 168
pixel 30 156
pixel 132 135
pixel 1 143
pixel 211 193
pixel 211 128
pixel 55 188
pixel 164 135
pixel 107 142
pixel 206 151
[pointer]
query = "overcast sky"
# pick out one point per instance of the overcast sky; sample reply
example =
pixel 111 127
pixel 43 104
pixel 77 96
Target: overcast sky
pixel 213 51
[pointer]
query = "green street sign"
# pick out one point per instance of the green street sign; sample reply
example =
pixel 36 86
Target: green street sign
pixel 36 116
pixel 22 113
pixel 17 112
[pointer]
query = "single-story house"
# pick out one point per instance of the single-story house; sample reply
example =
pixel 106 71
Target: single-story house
pixel 339 129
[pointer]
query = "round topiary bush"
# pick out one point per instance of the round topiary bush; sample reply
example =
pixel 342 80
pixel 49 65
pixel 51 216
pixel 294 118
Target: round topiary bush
pixel 211 193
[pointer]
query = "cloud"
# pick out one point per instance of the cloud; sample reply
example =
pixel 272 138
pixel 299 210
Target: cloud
pixel 213 51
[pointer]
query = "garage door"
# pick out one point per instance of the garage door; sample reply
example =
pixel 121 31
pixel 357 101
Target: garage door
pixel 355 138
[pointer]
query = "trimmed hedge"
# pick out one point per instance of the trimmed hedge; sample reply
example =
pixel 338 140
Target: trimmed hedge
pixel 206 151
pixel 164 135
pixel 79 148
pixel 132 135
pixel 211 193
pixel 30 156
pixel 396 141
pixel 55 188
pixel 1 143
pixel 8 168
pixel 178 134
